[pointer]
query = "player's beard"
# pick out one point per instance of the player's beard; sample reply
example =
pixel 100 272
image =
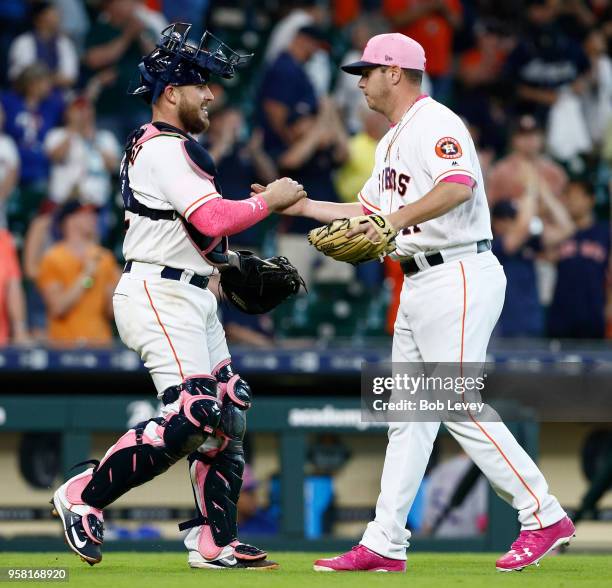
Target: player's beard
pixel 193 119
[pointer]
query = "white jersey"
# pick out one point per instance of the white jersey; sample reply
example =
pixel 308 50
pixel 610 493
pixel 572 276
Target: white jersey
pixel 163 177
pixel 428 144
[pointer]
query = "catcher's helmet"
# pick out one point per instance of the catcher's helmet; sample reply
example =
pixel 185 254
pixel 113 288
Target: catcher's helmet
pixel 176 61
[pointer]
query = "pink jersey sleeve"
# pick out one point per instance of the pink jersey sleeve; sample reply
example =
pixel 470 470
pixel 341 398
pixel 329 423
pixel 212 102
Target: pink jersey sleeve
pixel 221 217
pixel 460 179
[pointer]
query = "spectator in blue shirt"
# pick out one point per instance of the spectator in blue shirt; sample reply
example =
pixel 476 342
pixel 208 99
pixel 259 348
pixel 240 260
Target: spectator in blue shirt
pixel 579 301
pixel 305 137
pixel 286 94
pixel 252 518
pixel 519 236
pixel 32 109
pixel 543 61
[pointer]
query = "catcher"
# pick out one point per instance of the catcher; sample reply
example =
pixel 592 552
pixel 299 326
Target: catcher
pixel 176 238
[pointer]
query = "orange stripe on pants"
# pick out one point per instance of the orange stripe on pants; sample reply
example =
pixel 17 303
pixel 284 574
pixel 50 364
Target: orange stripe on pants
pixel 178 363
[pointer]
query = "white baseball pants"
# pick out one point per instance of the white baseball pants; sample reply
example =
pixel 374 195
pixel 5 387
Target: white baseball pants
pixel 447 314
pixel 171 324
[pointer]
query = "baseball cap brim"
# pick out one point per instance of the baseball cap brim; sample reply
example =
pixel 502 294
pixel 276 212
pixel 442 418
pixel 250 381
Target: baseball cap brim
pixel 357 67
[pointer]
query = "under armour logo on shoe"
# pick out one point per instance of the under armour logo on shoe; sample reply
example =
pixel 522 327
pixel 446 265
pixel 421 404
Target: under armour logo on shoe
pixel 519 556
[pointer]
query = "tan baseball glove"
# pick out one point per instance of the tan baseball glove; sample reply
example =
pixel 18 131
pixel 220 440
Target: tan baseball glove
pixel 331 239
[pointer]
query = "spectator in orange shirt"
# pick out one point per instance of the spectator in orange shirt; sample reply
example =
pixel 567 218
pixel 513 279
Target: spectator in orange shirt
pixel 433 24
pixel 76 279
pixel 12 301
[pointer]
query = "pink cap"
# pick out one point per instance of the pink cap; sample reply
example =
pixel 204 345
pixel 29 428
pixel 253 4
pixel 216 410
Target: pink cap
pixel 389 49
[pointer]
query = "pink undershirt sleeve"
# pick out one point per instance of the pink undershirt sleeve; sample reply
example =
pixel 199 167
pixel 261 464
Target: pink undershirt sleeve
pixel 460 179
pixel 220 217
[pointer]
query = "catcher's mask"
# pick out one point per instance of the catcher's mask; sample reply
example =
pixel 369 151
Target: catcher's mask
pixel 178 62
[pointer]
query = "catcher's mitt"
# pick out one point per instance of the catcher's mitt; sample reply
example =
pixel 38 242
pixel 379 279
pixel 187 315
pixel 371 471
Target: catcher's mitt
pixel 331 239
pixel 258 285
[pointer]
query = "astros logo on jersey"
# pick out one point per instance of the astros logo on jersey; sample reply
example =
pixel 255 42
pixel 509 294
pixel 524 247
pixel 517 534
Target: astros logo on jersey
pixel 448 148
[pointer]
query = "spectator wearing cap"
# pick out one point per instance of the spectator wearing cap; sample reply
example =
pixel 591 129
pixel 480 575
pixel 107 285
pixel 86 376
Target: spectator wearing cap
pixel 544 62
pixel 303 135
pixel 45 44
pixel 319 147
pixel 252 518
pixel 286 93
pixel 579 301
pixel 507 177
pixel 303 13
pixel 432 23
pixel 32 109
pixel 83 157
pixel 13 327
pixel 76 279
pixel 9 169
pixel 519 236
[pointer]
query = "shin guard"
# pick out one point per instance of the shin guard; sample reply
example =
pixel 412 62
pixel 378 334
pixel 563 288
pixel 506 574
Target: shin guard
pixel 216 485
pixel 152 446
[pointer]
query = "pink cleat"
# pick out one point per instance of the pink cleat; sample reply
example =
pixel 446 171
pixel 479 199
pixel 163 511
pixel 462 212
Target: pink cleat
pixel 531 546
pixel 360 559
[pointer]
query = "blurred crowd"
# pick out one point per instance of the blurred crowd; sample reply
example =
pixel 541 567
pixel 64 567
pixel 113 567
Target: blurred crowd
pixel 531 78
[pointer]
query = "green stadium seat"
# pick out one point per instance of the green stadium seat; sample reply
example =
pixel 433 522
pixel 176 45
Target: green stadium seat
pixel 332 310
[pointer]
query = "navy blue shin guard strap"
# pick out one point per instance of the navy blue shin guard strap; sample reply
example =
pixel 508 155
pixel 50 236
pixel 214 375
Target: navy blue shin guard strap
pixel 196 522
